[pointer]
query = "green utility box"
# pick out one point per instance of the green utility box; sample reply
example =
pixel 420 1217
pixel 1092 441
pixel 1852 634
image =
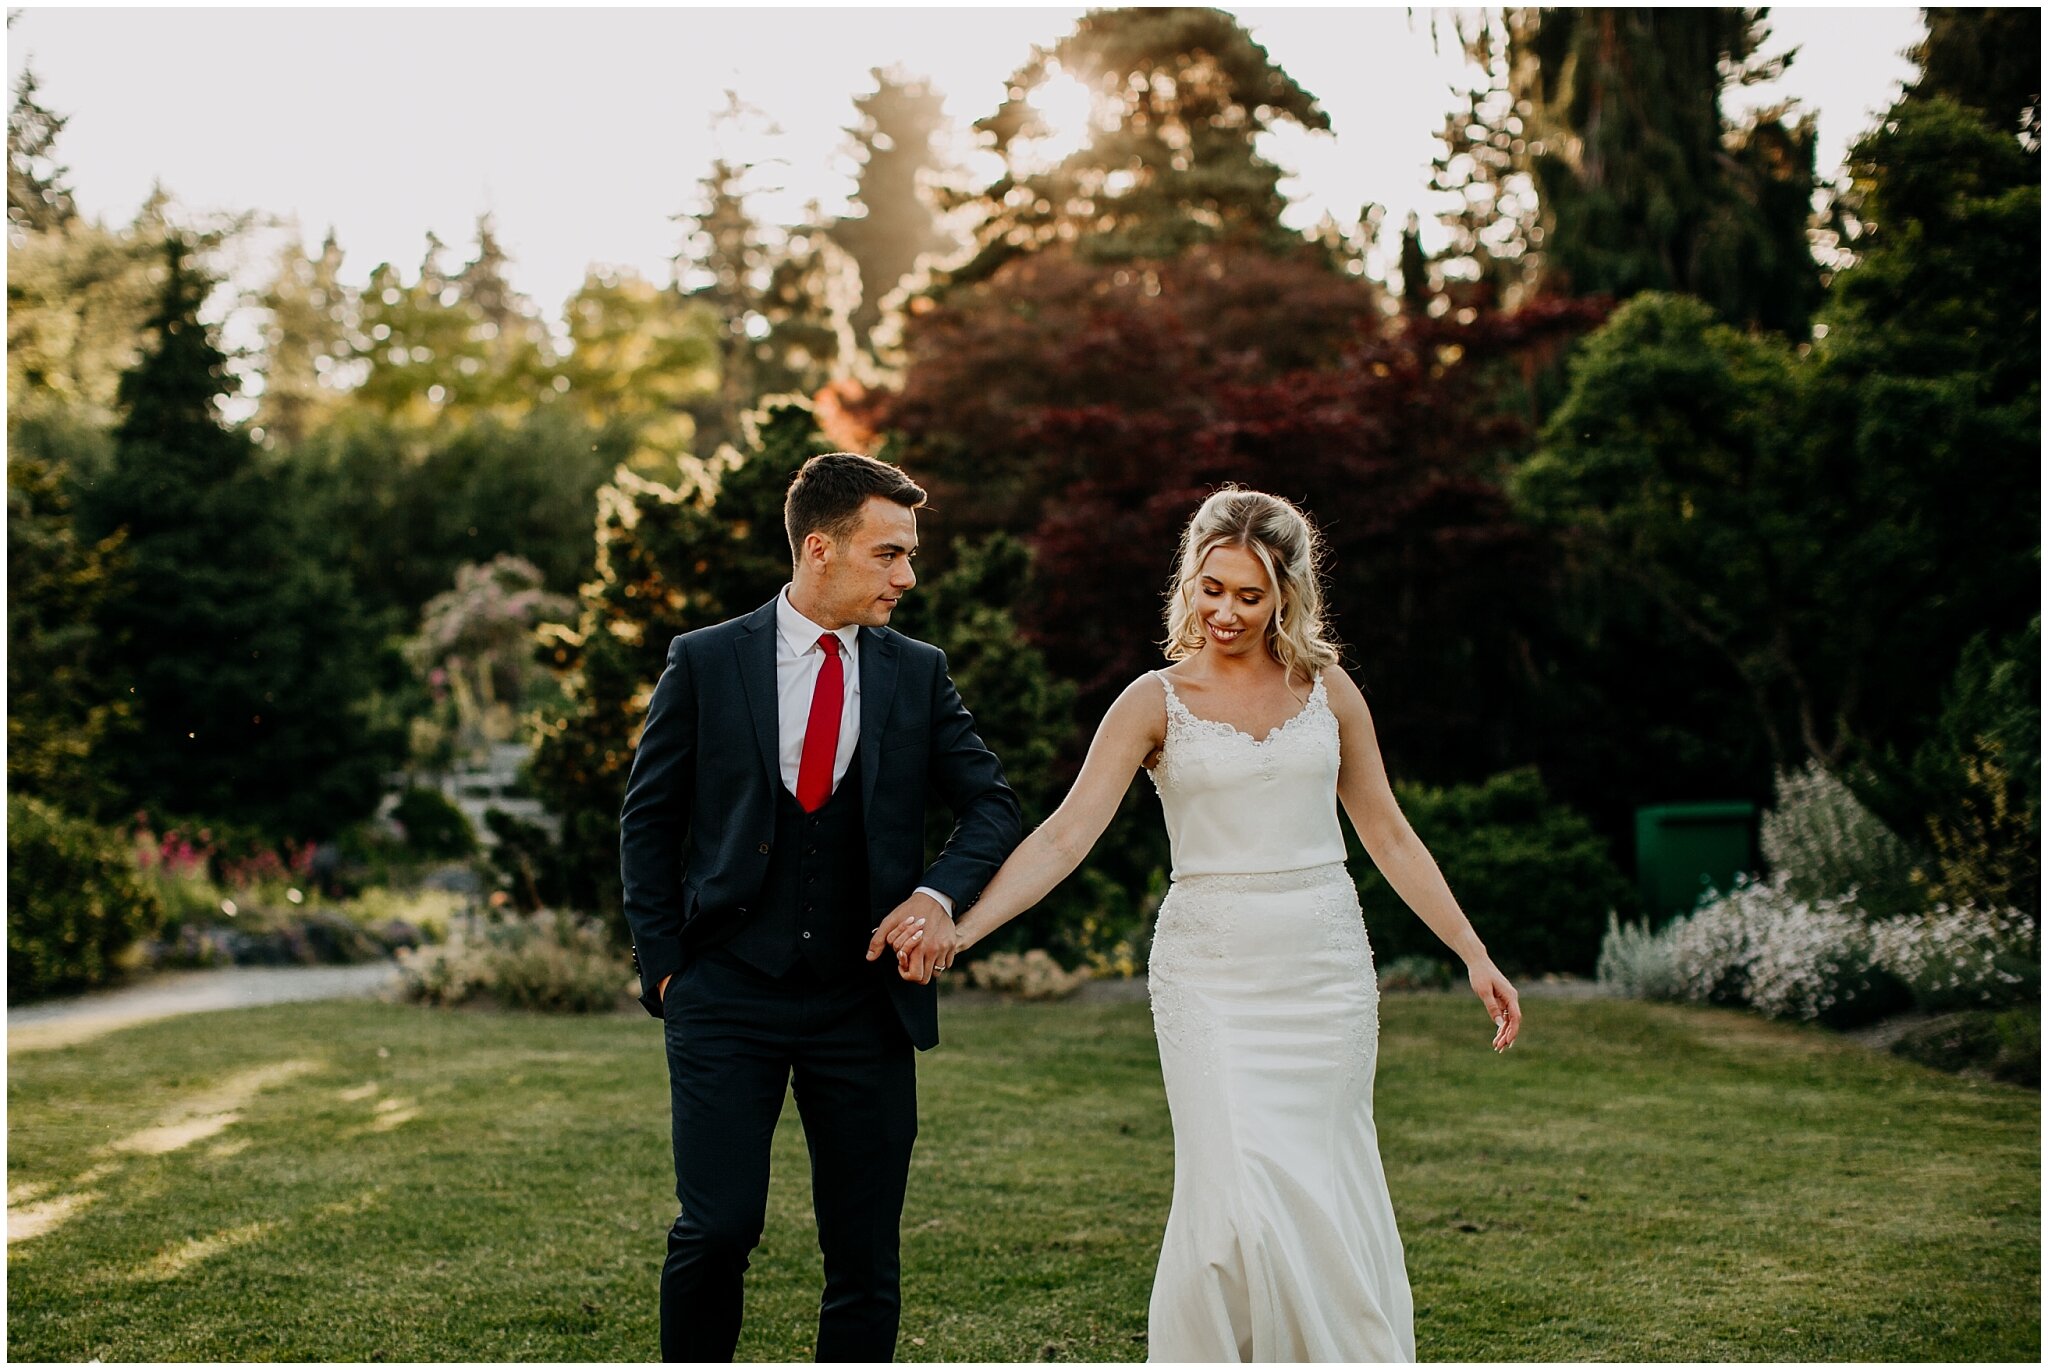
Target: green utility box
pixel 1682 849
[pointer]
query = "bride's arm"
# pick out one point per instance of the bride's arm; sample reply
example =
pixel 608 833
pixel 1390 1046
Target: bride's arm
pixel 1131 731
pixel 1409 868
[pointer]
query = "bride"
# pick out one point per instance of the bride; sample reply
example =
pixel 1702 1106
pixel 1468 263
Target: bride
pixel 1281 1243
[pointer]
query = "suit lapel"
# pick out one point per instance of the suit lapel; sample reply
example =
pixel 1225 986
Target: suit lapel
pixel 877 688
pixel 755 649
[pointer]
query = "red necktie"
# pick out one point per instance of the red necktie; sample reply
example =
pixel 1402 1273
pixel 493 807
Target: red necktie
pixel 821 734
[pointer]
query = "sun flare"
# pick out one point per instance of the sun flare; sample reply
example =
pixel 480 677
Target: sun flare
pixel 1066 107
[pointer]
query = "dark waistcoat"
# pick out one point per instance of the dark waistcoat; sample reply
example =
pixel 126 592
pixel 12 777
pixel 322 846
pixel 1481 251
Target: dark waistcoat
pixel 813 906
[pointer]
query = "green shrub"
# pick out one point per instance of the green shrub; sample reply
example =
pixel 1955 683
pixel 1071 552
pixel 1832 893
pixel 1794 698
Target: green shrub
pixel 2005 1045
pixel 526 861
pixel 1531 874
pixel 434 827
pixel 548 962
pixel 74 901
pixel 430 912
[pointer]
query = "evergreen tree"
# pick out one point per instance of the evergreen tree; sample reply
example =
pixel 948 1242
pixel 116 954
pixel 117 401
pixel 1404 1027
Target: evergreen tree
pixel 813 290
pixel 77 293
pixel 1987 60
pixel 516 353
pixel 1927 390
pixel 723 267
pixel 38 201
pixel 899 223
pixel 1414 269
pixel 245 661
pixel 1180 96
pixel 310 314
pixel 1600 162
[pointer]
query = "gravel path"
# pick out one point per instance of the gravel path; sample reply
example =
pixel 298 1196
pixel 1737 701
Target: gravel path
pixel 61 1022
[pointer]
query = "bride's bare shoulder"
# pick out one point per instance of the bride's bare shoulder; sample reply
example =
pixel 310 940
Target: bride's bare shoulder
pixel 1139 713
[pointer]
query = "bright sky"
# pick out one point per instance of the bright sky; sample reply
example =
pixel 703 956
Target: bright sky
pixel 584 131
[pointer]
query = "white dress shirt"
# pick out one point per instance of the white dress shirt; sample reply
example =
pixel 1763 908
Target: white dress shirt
pixel 798 660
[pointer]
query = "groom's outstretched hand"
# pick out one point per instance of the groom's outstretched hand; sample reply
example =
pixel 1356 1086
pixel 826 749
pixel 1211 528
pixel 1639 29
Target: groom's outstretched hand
pixel 922 935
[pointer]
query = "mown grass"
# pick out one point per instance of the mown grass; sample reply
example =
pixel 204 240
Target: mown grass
pixel 361 1181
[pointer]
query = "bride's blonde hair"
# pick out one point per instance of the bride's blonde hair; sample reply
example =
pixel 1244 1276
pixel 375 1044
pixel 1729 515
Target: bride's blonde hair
pixel 1286 544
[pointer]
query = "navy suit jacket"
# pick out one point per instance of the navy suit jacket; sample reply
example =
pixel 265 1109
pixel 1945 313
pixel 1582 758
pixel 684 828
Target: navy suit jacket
pixel 696 829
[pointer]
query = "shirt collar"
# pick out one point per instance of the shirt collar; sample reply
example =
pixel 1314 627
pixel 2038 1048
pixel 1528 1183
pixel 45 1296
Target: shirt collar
pixel 800 635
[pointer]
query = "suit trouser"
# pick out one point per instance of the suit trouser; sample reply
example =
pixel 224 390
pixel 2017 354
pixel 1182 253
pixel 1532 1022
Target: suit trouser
pixel 737 1038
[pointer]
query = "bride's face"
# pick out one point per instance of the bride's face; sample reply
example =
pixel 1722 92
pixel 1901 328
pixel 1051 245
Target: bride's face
pixel 1233 601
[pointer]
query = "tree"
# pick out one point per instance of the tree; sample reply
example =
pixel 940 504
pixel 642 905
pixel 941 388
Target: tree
pixel 899 223
pixel 1600 162
pixel 813 289
pixel 1927 387
pixel 641 358
pixel 669 559
pixel 245 661
pixel 399 511
pixel 1677 460
pixel 38 201
pixel 723 267
pixel 1179 97
pixel 77 300
pixel 1055 331
pixel 517 354
pixel 61 713
pixel 1987 60
pixel 310 315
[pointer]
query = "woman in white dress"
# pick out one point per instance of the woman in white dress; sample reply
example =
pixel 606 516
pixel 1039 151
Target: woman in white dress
pixel 1281 1243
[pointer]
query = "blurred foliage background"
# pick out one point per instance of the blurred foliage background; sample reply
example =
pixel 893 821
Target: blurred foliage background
pixel 1679 469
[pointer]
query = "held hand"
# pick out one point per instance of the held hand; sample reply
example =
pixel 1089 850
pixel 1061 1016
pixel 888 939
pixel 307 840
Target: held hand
pixel 1503 1005
pixel 922 936
pixel 661 990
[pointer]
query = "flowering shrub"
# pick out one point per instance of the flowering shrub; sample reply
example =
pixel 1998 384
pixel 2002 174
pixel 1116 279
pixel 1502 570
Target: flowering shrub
pixel 1638 963
pixel 1823 840
pixel 1963 957
pixel 1028 975
pixel 549 962
pixel 1821 959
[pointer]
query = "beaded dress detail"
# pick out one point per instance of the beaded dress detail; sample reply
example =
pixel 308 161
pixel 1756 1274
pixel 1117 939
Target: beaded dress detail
pixel 1281 1244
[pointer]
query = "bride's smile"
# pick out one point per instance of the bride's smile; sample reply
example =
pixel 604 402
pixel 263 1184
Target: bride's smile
pixel 1235 599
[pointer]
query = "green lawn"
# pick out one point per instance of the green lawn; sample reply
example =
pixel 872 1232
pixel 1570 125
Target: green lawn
pixel 360 1181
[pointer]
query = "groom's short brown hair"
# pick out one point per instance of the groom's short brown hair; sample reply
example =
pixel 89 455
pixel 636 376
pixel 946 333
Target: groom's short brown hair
pixel 827 495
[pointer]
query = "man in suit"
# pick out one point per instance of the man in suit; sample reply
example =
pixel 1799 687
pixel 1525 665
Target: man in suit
pixel 773 820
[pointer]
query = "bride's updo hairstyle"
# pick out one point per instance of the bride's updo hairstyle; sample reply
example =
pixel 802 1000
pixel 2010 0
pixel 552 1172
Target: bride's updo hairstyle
pixel 1286 544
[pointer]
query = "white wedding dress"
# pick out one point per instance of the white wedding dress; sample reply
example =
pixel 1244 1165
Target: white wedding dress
pixel 1281 1244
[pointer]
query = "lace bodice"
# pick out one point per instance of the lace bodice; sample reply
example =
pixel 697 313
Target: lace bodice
pixel 1239 805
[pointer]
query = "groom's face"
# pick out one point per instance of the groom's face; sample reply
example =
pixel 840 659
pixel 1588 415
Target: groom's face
pixel 861 578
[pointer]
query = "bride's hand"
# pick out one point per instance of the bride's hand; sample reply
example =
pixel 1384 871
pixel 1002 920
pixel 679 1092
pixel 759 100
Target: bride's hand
pixel 1502 1003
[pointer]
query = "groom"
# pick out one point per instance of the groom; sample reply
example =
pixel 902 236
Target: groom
pixel 775 816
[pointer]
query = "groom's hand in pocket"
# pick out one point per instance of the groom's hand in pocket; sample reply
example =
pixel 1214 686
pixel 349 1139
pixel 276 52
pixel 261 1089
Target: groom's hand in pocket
pixel 922 935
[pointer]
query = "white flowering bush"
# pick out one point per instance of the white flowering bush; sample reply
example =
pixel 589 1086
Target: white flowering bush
pixel 1823 959
pixel 1824 842
pixel 1637 963
pixel 1963 957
